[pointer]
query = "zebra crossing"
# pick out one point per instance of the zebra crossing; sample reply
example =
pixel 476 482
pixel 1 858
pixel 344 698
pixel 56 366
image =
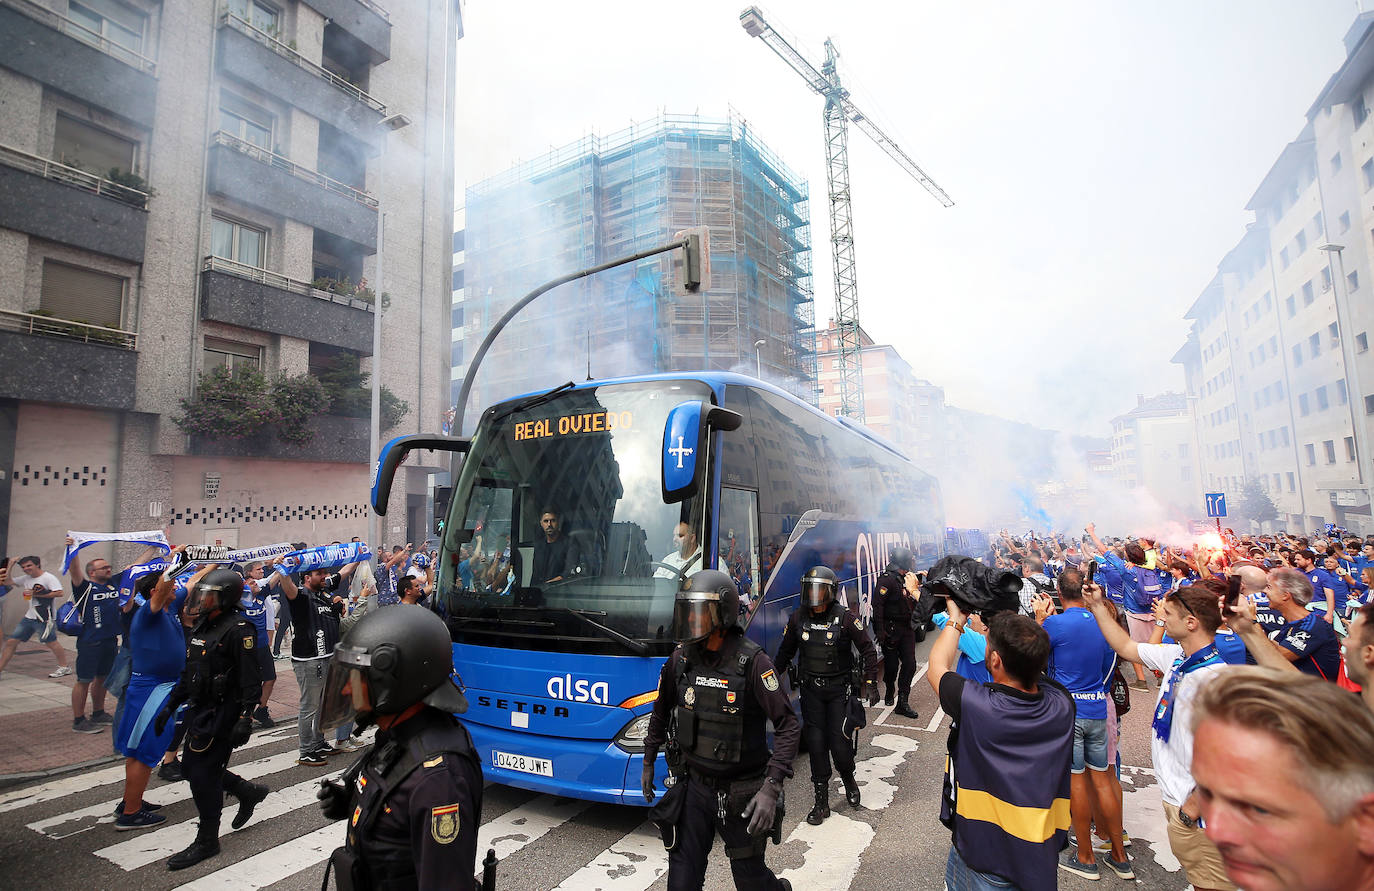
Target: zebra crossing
pixel 542 841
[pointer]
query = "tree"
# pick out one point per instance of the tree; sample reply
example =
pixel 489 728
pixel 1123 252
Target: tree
pixel 349 394
pixel 1255 504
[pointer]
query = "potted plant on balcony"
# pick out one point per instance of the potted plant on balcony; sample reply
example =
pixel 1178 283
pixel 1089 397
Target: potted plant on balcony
pixel 242 412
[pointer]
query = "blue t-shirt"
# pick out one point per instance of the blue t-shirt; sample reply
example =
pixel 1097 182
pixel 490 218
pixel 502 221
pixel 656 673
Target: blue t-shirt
pixel 1109 577
pixel 1081 659
pixel 1320 579
pixel 1231 648
pixel 254 609
pixel 99 611
pixel 158 643
pixel 1314 640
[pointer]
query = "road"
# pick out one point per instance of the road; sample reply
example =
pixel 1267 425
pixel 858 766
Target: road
pixel 59 833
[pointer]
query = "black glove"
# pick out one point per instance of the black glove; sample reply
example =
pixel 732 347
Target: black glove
pixel 762 809
pixel 160 722
pixel 646 777
pixel 242 730
pixel 334 799
pixel 871 689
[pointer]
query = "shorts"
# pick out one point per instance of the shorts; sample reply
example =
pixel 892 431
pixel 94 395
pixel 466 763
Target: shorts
pixel 1141 626
pixel 29 627
pixel 1202 863
pixel 267 668
pixel 95 659
pixel 135 737
pixel 1089 744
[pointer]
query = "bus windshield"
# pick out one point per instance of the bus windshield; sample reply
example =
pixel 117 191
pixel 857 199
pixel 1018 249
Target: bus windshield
pixel 557 537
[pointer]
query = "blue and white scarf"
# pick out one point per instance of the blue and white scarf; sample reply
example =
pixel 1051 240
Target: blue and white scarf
pixel 1163 722
pixel 151 537
pixel 325 557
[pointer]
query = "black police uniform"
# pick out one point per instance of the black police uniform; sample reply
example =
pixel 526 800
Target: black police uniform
pixel 721 702
pixel 415 807
pixel 826 667
pixel 219 685
pixel 892 615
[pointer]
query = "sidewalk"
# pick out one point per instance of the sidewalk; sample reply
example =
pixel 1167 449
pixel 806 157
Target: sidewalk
pixel 36 734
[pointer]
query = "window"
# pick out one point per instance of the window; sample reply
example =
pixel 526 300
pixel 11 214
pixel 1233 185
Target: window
pixel 1183 450
pixel 1283 258
pixel 1369 405
pixel 1352 281
pixel 1301 241
pixel 230 354
pixel 1341 395
pixel 1311 452
pixel 245 120
pixel 1314 345
pixel 1336 163
pixel 1344 223
pixel 1350 448
pixel 1361 342
pixel 1292 487
pixel 1278 483
pixel 1326 279
pixel 1304 408
pixel 1367 168
pixel 1322 402
pixel 1297 355
pixel 1360 111
pixel 1317 227
pixel 82 295
pixel 234 241
pixel 259 15
pixel 88 148
pixel 1308 295
pixel 1334 331
pixel 1329 447
pixel 1284 436
pixel 1291 304
pixel 112 21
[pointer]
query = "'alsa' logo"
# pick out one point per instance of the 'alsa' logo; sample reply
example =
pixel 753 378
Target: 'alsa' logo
pixel 579 690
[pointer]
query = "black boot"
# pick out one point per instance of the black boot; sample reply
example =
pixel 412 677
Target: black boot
pixel 204 847
pixel 891 696
pixel 249 796
pixel 822 808
pixel 906 711
pixel 851 789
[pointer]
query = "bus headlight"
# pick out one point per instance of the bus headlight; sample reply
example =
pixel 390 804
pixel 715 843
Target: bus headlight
pixel 631 736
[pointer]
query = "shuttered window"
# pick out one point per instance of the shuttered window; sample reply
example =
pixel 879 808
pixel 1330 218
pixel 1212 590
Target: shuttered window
pixel 97 151
pixel 82 295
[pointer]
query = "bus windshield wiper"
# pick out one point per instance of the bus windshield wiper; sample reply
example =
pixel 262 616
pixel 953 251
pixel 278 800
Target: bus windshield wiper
pixel 533 401
pixel 634 646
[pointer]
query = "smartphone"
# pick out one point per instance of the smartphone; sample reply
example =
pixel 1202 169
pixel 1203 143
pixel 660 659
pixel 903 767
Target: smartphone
pixel 1092 571
pixel 1232 594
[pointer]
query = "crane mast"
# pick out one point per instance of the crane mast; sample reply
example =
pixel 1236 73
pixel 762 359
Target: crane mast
pixel 839 112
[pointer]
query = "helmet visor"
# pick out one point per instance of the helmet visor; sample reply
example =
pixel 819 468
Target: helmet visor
pixel 202 599
pixel 694 620
pixel 817 592
pixel 345 691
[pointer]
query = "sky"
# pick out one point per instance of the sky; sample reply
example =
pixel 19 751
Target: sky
pixel 1100 156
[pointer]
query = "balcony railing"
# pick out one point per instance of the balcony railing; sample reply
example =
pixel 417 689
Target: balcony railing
pixel 386 16
pixel 257 153
pixel 286 52
pixel 65 25
pixel 281 282
pixel 70 176
pixel 32 323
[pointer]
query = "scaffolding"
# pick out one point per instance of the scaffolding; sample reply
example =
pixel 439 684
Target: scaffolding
pixel 603 197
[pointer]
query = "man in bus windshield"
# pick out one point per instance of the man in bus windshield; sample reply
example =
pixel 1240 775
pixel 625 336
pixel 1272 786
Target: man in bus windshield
pixel 550 551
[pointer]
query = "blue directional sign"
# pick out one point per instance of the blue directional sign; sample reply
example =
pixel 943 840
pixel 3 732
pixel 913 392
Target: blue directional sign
pixel 1216 504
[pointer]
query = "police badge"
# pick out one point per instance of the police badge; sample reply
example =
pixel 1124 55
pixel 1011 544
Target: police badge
pixel 770 681
pixel 444 823
pixel 690 697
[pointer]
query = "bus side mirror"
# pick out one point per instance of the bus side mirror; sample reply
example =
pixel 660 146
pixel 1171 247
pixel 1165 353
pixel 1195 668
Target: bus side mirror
pixel 394 453
pixel 684 438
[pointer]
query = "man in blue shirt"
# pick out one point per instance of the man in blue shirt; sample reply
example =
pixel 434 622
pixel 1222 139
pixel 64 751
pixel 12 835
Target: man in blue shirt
pixel 1083 661
pixel 1307 640
pixel 1323 585
pixel 97 644
pixel 1140 588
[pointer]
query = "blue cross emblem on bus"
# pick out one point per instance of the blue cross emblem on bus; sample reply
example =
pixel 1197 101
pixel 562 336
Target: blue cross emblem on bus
pixel 679 451
pixel 682 443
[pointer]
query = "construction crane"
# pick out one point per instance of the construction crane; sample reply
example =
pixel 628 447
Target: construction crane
pixel 839 111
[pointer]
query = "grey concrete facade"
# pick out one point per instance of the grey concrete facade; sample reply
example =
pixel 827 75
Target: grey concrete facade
pixel 363 21
pixel 249 304
pixel 59 212
pixel 59 369
pixel 344 440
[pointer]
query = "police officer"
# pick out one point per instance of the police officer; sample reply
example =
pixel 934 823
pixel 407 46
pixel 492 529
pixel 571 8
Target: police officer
pixel 715 694
pixel 893 609
pixel 220 687
pixel 825 633
pixel 413 801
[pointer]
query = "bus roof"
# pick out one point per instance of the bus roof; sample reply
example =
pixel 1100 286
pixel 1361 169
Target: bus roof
pixel 717 381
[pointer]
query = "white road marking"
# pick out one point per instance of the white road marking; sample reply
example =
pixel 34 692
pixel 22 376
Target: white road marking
pixel 631 864
pixel 871 773
pixel 274 864
pixel 526 824
pixel 1142 814
pixel 842 840
pixel 12 801
pixel 935 720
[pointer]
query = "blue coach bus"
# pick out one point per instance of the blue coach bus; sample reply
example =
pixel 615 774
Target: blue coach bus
pixel 650 478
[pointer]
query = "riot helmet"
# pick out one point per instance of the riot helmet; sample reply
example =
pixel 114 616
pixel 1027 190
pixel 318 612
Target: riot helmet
pixel 899 558
pixel 707 603
pixel 818 587
pixel 218 590
pixel 391 660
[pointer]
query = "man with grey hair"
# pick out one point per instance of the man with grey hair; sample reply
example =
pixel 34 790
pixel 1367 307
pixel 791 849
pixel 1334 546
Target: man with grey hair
pixel 1305 639
pixel 1309 826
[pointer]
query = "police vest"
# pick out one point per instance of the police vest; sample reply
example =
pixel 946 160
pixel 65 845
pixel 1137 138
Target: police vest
pixel 897 607
pixel 719 725
pixel 824 648
pixel 380 864
pixel 211 659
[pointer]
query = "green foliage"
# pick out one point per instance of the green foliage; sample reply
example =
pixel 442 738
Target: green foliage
pixel 350 394
pixel 228 406
pixel 299 399
pixel 346 288
pixel 128 179
pixel 1255 504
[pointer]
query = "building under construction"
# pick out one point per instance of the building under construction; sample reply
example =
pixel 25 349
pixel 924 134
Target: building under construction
pixel 606 197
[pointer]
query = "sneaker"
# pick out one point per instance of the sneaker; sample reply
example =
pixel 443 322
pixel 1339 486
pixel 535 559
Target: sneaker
pixel 1123 869
pixel 61 672
pixel 326 750
pixel 171 771
pixel 140 820
pixel 102 718
pixel 312 759
pixel 1104 844
pixel 1138 684
pixel 262 717
pixel 348 745
pixel 84 725
pixel 1069 862
pixel 143 806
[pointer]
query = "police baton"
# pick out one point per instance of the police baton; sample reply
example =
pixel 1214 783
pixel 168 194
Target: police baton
pixel 489 871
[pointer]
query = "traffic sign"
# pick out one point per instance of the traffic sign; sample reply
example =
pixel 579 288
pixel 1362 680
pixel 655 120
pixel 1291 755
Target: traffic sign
pixel 1216 504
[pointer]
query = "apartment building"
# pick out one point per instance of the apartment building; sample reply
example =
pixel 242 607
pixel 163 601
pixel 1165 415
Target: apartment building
pixel 188 186
pixel 1153 450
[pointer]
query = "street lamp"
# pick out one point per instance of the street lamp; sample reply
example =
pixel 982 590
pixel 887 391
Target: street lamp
pixel 758 359
pixel 1354 391
pixel 387 124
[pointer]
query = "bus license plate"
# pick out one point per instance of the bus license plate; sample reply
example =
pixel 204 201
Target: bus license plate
pixel 523 763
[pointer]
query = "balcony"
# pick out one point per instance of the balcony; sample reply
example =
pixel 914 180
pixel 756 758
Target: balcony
pixel 258 58
pixel 54 50
pixel 253 175
pixel 337 440
pixel 364 20
pixel 265 301
pixel 51 360
pixel 69 206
